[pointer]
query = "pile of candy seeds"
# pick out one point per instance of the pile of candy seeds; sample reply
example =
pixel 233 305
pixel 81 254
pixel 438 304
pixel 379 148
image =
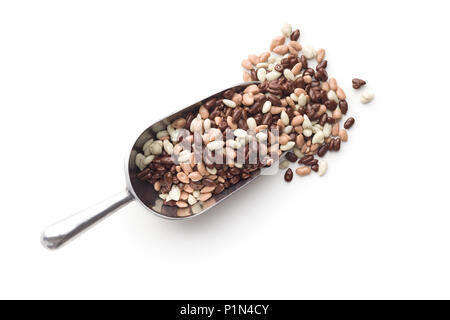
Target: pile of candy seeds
pixel 313 101
pixel 294 110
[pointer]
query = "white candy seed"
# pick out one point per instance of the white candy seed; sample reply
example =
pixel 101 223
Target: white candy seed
pixel 288 146
pixel 306 122
pixel 367 96
pixel 307 132
pixel 323 167
pixel 261 74
pixel 215 145
pixel 240 133
pixel 318 138
pixel 284 117
pixel 229 103
pixel 332 96
pixel 273 75
pixel 251 123
pixel 266 106
pixel 309 52
pixel 286 30
pixel 288 74
pixel 302 100
pixel 175 193
pixel 184 156
pixel 168 147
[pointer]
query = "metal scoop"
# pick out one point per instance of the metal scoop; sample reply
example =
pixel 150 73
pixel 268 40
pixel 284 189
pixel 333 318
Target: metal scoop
pixel 61 232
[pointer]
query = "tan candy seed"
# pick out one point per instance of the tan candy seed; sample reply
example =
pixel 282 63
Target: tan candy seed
pixel 207 189
pixel 246 76
pixel 205 196
pixel 315 147
pixel 297 69
pixel 188 188
pixel 291 102
pixel 246 64
pixel 333 84
pixel 204 113
pixel 325 86
pixel 263 57
pixel 253 59
pixel 231 124
pixel 340 94
pixel 184 195
pixel 277 41
pixel 237 99
pixel 186 168
pixel 283 49
pixel 195 176
pixel 253 89
pixel 248 99
pixel 179 123
pixel 320 55
pixel 284 139
pixel 335 129
pixel 300 140
pixel 297 120
pixel 343 135
pixel 276 110
pixel 182 204
pixel 303 171
pixel 296 45
pixel 183 177
pixel 201 169
pixel 337 114
pixel 292 51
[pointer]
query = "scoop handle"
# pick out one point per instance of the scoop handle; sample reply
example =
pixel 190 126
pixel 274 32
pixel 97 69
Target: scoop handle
pixel 58 234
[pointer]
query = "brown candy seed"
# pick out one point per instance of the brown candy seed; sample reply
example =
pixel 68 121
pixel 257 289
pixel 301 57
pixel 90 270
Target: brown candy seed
pixel 288 175
pixel 358 83
pixel 349 123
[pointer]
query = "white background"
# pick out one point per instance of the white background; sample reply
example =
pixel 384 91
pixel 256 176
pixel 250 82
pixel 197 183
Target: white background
pixel 80 79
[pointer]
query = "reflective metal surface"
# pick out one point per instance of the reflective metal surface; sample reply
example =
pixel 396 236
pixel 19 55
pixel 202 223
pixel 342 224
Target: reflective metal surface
pixel 148 197
pixel 61 232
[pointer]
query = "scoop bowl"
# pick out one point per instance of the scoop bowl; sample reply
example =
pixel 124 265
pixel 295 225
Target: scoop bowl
pixel 58 234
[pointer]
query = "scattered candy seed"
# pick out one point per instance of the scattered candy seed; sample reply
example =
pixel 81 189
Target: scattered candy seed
pixel 288 175
pixel 303 171
pixel 367 97
pixel 309 52
pixel 349 123
pixel 358 83
pixel 323 167
pixel 286 30
pixel 295 35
